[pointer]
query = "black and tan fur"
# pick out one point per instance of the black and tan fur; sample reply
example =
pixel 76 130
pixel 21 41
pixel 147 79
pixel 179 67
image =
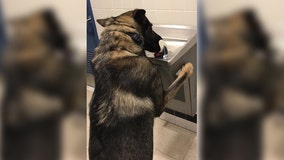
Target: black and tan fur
pixel 128 89
pixel 41 84
pixel 241 79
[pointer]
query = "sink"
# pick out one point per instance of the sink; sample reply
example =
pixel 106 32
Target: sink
pixel 173 46
pixel 182 48
pixel 178 40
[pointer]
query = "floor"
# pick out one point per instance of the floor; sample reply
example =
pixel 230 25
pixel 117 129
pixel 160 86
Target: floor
pixel 173 143
pixel 170 141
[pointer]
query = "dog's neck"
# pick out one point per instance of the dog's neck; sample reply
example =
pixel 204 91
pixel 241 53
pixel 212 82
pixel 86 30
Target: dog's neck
pixel 130 31
pixel 130 39
pixel 136 37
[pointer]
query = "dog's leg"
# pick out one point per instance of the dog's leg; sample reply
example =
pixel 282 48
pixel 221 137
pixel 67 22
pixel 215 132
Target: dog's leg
pixel 185 72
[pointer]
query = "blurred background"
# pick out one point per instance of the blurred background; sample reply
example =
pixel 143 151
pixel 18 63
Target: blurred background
pixel 42 79
pixel 240 85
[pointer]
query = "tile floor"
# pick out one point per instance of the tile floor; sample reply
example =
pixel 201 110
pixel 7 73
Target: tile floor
pixel 170 141
pixel 173 143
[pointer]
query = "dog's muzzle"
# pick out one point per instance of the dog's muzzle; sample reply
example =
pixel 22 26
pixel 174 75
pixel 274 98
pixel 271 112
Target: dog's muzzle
pixel 163 53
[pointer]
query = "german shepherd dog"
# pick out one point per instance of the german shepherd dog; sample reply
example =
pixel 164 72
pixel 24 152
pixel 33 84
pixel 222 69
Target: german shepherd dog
pixel 38 75
pixel 128 89
pixel 240 76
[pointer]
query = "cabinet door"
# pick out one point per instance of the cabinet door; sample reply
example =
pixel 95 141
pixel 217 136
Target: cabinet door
pixel 92 36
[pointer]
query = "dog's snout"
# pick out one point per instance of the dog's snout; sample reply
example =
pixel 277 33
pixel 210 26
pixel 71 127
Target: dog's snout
pixel 163 53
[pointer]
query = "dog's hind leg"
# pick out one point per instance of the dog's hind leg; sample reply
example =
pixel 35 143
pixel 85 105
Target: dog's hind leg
pixel 183 75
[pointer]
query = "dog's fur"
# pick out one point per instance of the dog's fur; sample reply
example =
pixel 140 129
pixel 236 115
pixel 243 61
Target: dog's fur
pixel 239 73
pixel 39 87
pixel 128 89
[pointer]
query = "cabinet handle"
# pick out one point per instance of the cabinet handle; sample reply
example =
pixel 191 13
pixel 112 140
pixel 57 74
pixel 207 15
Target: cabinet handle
pixel 89 19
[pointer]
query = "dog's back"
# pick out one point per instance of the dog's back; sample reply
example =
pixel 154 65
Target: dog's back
pixel 128 89
pixel 122 109
pixel 122 114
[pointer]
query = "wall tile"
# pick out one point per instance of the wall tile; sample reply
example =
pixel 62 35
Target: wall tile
pixel 98 4
pixel 151 15
pixel 149 4
pixel 178 4
pixel 108 3
pixel 191 5
pixel 109 13
pixel 176 17
pixel 190 18
pixel 116 12
pixel 131 4
pixel 181 12
pixel 163 4
pixel 99 13
pixel 162 17
pixel 117 4
pixel 128 4
pixel 137 4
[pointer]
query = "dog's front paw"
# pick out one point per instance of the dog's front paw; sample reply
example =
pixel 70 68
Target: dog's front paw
pixel 186 70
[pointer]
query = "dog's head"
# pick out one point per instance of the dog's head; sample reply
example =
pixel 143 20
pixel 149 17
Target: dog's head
pixel 242 26
pixel 41 26
pixel 35 39
pixel 137 20
pixel 237 38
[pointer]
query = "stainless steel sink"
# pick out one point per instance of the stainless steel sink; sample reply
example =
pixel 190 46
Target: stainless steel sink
pixel 181 44
pixel 178 40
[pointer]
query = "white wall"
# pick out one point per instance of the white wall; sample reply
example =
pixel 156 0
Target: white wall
pixel 181 12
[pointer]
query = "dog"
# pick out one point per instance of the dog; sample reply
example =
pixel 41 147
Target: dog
pixel 128 89
pixel 241 80
pixel 40 87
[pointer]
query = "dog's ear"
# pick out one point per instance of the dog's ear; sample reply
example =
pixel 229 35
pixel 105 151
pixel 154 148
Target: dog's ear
pixel 105 22
pixel 55 37
pixel 139 15
pixel 257 35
